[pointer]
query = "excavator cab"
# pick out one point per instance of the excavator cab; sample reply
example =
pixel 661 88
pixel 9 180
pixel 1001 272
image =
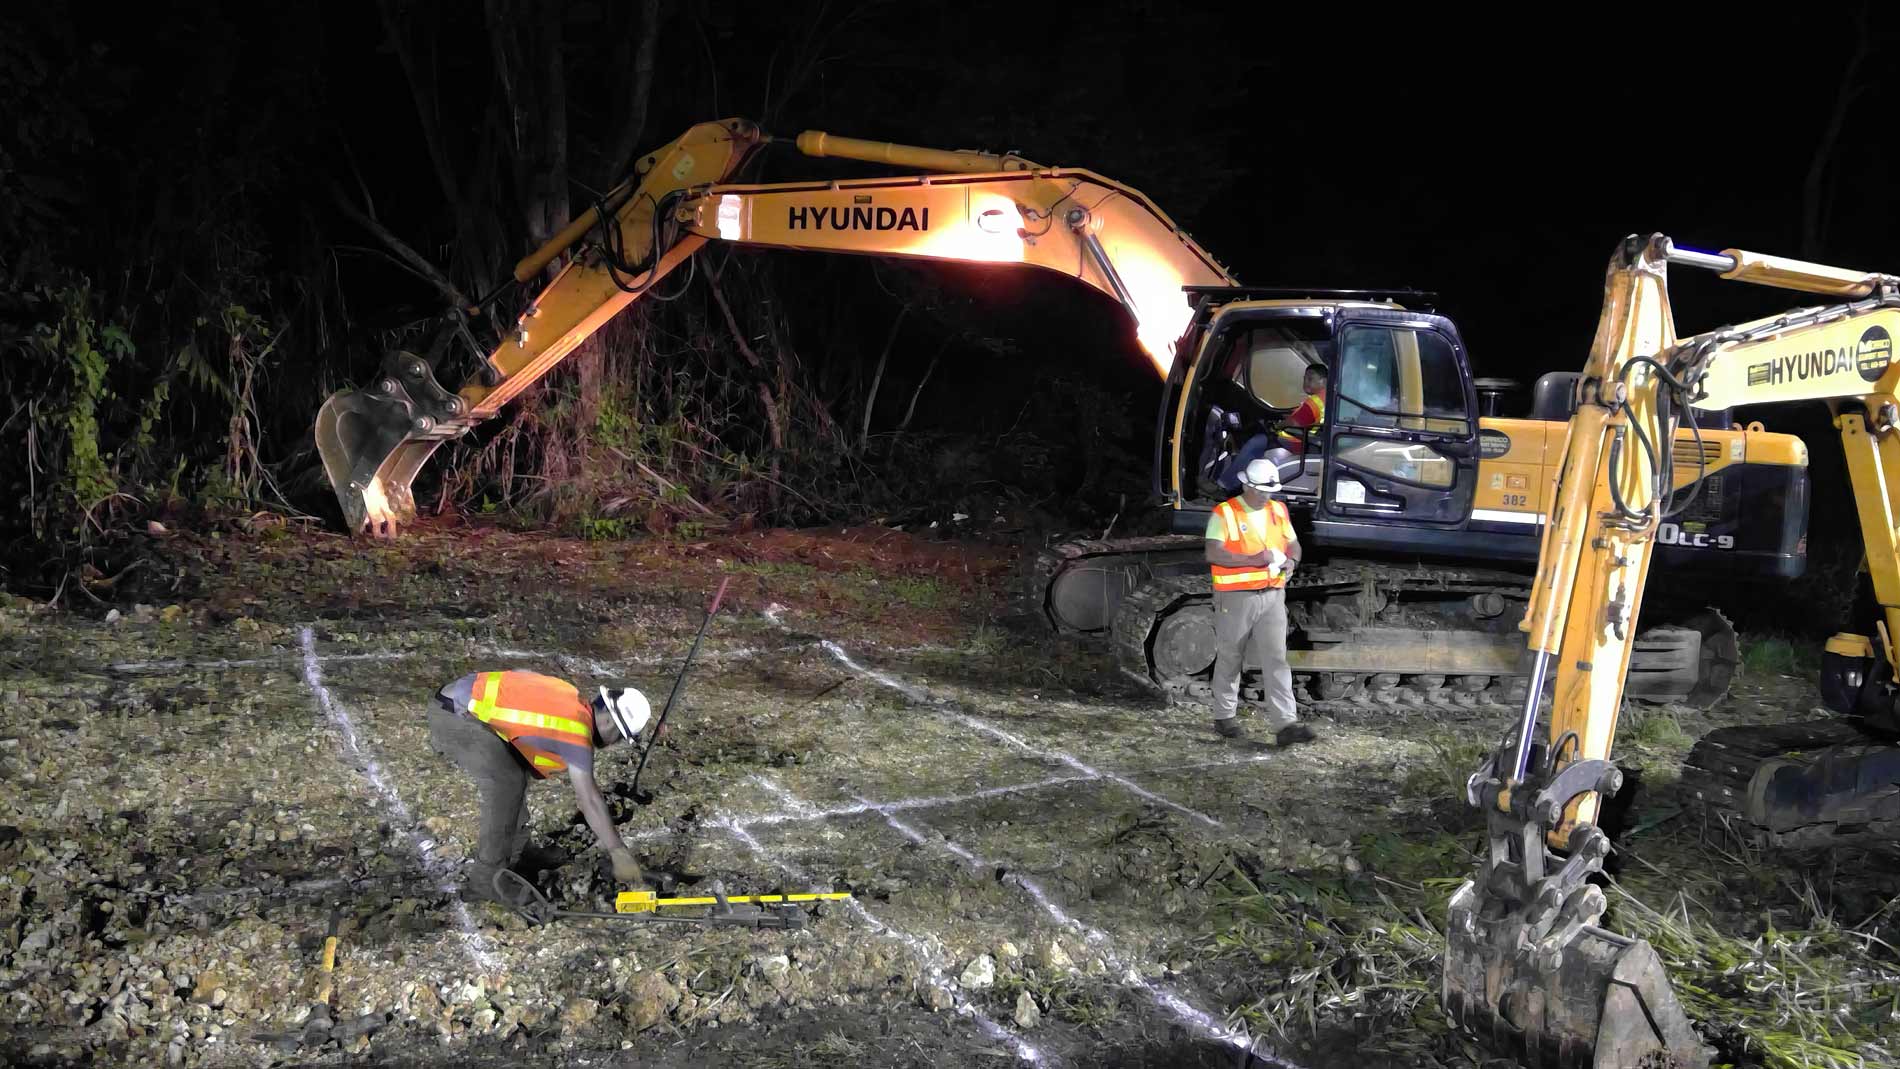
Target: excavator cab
pixel 1401 443
pixel 1396 447
pixel 1252 388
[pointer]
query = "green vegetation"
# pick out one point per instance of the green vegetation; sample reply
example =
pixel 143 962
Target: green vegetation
pixel 1822 995
pixel 1777 655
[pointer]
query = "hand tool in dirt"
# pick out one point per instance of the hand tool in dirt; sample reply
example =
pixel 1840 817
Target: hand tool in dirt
pixel 634 902
pixel 321 1028
pixel 766 912
pixel 679 682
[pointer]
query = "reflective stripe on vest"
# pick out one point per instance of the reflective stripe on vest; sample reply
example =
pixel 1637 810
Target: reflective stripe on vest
pixel 546 738
pixel 1290 435
pixel 1243 542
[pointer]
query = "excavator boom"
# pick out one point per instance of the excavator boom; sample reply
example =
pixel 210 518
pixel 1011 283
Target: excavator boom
pixel 1526 964
pixel 971 207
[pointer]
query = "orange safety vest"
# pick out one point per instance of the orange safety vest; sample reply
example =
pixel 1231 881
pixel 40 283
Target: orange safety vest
pixel 541 716
pixel 1243 539
pixel 1310 413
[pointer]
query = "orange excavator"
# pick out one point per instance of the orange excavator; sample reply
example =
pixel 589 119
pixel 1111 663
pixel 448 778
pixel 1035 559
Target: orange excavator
pixel 1419 503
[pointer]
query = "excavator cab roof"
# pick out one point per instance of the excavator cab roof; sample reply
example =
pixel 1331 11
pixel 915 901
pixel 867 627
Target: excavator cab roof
pixel 1211 302
pixel 1219 295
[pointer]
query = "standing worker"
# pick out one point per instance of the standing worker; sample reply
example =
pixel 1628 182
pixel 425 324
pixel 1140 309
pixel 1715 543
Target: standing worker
pixel 1251 549
pixel 503 728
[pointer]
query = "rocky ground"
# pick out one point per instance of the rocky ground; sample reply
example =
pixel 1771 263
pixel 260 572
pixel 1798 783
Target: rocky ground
pixel 1049 864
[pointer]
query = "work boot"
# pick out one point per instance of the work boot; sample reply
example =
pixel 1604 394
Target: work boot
pixel 1293 733
pixel 479 885
pixel 1228 727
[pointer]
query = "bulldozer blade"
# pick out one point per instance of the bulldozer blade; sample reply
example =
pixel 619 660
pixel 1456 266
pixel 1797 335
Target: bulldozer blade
pixel 1602 1001
pixel 371 452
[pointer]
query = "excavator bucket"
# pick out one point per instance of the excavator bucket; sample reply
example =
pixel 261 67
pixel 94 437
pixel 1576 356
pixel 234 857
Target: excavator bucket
pixel 1602 1001
pixel 372 447
pixel 1527 970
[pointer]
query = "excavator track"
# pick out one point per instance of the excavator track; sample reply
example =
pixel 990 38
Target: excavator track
pixel 1160 642
pixel 1142 623
pixel 1810 785
pixel 1137 557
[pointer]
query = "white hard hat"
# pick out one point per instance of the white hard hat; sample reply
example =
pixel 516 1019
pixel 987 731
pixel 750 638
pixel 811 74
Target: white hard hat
pixel 628 709
pixel 1262 474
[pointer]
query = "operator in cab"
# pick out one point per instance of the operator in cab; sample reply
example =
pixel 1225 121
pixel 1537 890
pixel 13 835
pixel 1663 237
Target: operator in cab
pixel 1295 434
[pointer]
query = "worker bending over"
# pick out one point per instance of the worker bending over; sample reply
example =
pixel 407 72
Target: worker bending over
pixel 503 728
pixel 1251 549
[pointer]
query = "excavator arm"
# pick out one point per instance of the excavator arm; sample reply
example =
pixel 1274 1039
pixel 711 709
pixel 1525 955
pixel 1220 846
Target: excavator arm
pixel 966 206
pixel 1526 965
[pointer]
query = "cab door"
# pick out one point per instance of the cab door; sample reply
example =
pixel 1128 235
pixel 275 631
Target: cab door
pixel 1401 421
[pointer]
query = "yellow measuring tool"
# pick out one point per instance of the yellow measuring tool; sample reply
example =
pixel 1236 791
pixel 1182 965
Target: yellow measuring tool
pixel 650 901
pixel 776 912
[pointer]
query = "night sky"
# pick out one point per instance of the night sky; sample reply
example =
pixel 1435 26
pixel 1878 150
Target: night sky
pixel 1495 159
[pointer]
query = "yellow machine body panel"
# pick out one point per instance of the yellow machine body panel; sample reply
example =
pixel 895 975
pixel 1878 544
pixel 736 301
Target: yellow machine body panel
pixel 1521 481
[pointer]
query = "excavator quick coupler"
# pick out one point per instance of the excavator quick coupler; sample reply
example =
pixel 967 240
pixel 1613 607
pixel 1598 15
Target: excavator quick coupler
pixel 1526 967
pixel 374 441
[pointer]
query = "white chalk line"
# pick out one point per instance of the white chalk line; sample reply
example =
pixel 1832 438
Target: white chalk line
pixel 424 849
pixel 934 801
pixel 250 662
pixel 931 959
pixel 1162 996
pixel 984 727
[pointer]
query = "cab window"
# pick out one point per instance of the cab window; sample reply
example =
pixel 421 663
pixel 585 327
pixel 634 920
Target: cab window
pixel 1400 377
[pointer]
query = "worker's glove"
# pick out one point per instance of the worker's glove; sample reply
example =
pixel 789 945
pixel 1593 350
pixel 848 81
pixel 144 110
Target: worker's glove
pixel 626 869
pixel 1276 561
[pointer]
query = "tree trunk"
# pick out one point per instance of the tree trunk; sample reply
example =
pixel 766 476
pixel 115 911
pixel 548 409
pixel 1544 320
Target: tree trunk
pixel 525 41
pixel 877 379
pixel 461 188
pixel 911 409
pixel 768 399
pixel 625 142
pixel 409 257
pixel 1814 189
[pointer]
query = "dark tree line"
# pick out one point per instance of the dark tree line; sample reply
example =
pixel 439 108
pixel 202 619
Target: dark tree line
pixel 213 215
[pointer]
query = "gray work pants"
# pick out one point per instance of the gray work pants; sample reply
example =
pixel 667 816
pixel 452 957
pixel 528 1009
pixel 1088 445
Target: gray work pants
pixel 501 776
pixel 1250 627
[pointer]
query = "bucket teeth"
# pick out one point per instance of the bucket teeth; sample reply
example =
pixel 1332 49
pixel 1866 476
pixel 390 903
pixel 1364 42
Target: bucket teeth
pixel 1597 1001
pixel 374 441
pixel 1527 969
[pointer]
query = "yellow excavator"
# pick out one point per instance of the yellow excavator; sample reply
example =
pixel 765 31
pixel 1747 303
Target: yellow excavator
pixel 969 206
pixel 1526 965
pixel 1418 502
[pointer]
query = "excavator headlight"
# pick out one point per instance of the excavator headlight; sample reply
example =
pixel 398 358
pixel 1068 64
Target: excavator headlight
pixel 729 225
